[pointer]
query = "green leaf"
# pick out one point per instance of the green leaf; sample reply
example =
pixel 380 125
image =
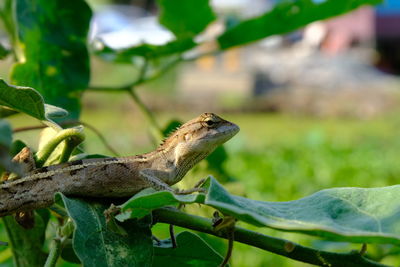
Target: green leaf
pixel 147 200
pixel 53 58
pixel 22 99
pixel 26 244
pixel 215 163
pixel 68 253
pixel 54 112
pixel 95 245
pixel 185 18
pixel 285 17
pixel 360 215
pixel 148 51
pixel 191 251
pixel 27 100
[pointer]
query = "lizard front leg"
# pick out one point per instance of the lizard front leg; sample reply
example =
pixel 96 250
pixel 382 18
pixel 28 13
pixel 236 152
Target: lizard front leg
pixel 151 177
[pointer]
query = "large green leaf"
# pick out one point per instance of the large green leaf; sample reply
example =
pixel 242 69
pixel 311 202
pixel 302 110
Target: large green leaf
pixel 367 215
pixel 96 245
pixel 185 18
pixel 27 100
pixel 287 16
pixel 191 250
pixel 53 57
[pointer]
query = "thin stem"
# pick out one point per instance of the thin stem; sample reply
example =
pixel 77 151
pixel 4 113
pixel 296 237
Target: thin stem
pixel 29 128
pixel 231 238
pixel 146 111
pixel 272 244
pixel 55 252
pixel 172 236
pixel 68 148
pixel 43 154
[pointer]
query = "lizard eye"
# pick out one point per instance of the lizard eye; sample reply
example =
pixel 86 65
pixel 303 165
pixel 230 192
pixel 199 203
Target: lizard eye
pixel 210 122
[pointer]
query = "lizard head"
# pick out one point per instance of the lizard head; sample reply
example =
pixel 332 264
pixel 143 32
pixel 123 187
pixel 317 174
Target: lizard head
pixel 195 140
pixel 201 135
pixel 209 130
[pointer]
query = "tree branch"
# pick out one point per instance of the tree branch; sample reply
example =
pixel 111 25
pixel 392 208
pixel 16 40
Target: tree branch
pixel 275 245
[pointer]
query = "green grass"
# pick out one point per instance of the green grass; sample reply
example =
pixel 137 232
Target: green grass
pixel 273 158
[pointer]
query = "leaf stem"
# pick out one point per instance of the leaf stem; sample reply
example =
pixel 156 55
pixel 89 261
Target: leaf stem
pixel 55 252
pixel 73 134
pixel 146 111
pixel 231 238
pixel 272 244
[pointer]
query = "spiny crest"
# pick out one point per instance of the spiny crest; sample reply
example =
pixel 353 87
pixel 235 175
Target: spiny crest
pixel 171 133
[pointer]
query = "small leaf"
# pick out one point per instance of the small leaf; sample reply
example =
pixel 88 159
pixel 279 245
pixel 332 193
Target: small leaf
pixel 285 17
pixel 95 245
pixel 191 251
pixel 185 18
pixel 147 200
pixel 22 99
pixel 54 112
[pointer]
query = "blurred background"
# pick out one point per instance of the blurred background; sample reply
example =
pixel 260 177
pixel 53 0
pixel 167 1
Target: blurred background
pixel 318 107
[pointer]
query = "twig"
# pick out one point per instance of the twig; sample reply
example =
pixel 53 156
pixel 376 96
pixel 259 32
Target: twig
pixel 100 136
pixel 268 243
pixel 54 253
pixel 231 238
pixel 172 236
pixel 29 128
pixel 146 111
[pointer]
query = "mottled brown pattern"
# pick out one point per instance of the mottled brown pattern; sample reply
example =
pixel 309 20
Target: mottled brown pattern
pixel 119 177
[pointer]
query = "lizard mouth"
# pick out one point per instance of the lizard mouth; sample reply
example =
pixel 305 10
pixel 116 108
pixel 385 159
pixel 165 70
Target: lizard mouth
pixel 227 132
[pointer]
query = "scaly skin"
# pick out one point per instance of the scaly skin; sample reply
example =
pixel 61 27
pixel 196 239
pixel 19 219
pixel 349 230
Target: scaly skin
pixel 119 177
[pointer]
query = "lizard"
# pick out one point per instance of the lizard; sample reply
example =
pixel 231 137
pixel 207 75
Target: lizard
pixel 119 177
